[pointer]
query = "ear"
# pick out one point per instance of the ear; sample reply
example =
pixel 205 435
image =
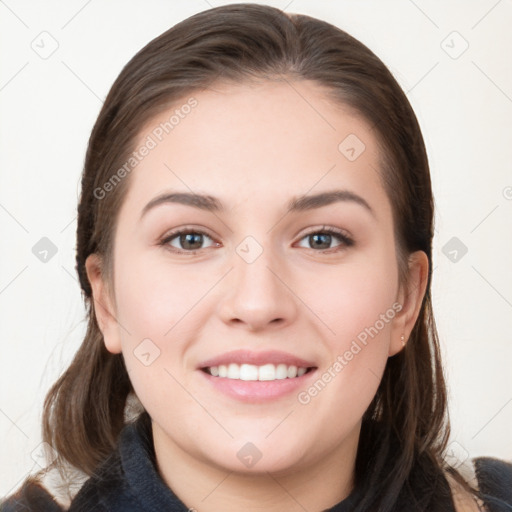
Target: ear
pixel 103 304
pixel 410 298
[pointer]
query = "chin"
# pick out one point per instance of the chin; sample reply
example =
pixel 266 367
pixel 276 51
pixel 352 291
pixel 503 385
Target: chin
pixel 259 457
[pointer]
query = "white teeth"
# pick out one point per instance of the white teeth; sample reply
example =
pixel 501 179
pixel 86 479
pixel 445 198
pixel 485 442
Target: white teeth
pixel 281 371
pixel 267 372
pixel 292 372
pixel 253 372
pixel 233 371
pixel 248 372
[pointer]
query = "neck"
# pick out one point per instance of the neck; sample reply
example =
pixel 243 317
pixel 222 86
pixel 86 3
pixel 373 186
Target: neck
pixel 206 487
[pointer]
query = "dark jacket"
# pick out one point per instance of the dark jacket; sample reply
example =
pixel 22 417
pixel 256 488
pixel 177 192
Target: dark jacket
pixel 128 481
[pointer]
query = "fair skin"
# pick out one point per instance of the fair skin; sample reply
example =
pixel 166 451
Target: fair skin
pixel 255 148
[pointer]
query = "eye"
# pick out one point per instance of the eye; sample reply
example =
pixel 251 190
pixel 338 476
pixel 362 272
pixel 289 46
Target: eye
pixel 188 241
pixel 323 239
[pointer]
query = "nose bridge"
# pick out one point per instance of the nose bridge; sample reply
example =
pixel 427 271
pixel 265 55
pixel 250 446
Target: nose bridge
pixel 257 295
pixel 252 271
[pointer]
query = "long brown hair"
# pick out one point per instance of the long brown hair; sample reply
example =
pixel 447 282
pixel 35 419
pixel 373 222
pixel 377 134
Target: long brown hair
pixel 406 425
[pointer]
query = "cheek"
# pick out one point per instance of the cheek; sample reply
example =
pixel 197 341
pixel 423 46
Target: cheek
pixel 363 305
pixel 156 306
pixel 161 309
pixel 361 315
pixel 155 297
pixel 357 305
pixel 352 298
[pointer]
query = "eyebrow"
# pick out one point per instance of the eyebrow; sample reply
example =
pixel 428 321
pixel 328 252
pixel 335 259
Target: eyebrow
pixel 309 202
pixel 203 202
pixel 297 204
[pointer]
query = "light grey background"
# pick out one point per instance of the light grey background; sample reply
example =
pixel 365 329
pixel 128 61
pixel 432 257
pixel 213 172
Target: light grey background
pixel 49 102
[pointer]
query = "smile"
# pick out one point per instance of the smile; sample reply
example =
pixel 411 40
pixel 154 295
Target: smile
pixel 252 372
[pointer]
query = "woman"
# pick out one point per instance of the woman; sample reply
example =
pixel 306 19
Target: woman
pixel 254 241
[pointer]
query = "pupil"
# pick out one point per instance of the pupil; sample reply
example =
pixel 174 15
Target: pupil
pixel 189 239
pixel 322 240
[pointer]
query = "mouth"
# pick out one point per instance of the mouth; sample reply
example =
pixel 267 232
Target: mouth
pixel 257 376
pixel 251 372
pixel 250 365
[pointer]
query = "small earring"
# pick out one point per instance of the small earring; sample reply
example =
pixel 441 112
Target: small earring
pixel 402 339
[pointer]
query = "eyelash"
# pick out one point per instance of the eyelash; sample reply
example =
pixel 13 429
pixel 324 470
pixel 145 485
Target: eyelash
pixel 343 237
pixel 345 240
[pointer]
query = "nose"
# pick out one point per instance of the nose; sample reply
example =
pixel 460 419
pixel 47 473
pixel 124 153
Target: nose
pixel 257 295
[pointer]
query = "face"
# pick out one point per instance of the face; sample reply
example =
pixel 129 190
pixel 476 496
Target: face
pixel 283 271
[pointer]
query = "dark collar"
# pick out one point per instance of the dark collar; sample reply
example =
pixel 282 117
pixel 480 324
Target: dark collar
pixel 128 481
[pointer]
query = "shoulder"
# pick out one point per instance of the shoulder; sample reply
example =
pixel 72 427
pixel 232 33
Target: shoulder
pixel 31 497
pixel 110 487
pixel 104 485
pixel 492 478
pixel 495 482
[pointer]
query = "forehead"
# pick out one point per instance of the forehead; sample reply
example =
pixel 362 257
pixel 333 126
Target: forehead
pixel 272 139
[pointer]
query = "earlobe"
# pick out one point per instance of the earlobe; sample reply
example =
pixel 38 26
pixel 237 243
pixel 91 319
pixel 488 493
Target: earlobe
pixel 410 298
pixel 103 307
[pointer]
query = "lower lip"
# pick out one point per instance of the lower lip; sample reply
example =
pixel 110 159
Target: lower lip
pixel 256 391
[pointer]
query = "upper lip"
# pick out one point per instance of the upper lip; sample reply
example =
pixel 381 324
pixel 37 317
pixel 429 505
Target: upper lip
pixel 256 358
